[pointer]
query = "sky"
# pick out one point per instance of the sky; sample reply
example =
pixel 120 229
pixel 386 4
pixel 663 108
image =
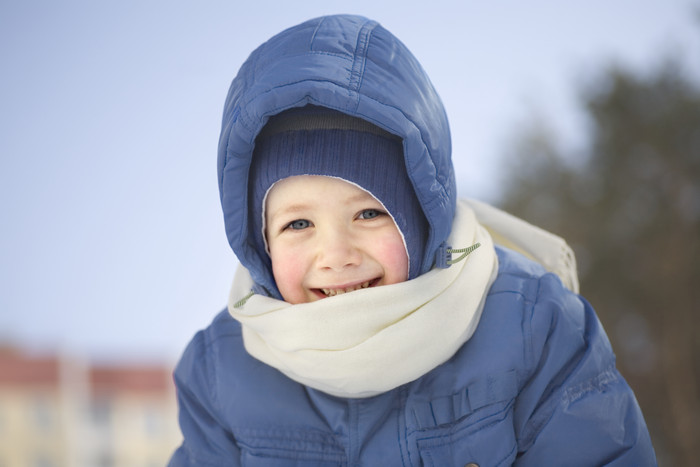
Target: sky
pixel 112 244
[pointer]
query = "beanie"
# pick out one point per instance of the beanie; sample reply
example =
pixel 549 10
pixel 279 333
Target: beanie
pixel 314 140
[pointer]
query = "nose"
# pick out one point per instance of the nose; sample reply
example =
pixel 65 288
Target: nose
pixel 337 250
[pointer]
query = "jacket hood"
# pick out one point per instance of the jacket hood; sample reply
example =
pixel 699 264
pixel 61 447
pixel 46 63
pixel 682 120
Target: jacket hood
pixel 353 65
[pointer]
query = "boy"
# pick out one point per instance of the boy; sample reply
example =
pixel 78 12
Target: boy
pixel 355 334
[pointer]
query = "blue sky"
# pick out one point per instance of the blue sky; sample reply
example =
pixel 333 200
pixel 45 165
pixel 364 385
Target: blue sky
pixel 112 243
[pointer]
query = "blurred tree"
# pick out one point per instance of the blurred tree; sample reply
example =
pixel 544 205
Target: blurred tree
pixel 629 204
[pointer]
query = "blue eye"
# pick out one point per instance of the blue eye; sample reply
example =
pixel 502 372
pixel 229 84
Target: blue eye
pixel 370 214
pixel 299 224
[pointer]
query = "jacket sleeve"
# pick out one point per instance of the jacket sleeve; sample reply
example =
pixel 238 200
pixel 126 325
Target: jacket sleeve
pixel 206 440
pixel 575 408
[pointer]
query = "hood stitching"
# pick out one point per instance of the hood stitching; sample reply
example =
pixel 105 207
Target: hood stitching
pixel 360 59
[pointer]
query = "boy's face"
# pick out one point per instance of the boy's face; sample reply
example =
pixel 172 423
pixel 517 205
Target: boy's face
pixel 327 236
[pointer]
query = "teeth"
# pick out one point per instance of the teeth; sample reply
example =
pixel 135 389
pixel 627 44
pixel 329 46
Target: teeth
pixel 334 292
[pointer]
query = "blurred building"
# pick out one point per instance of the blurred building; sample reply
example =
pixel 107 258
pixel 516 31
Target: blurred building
pixel 57 411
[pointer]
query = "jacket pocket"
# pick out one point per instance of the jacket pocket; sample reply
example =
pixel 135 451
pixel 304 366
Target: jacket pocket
pixel 254 460
pixel 279 447
pixel 474 426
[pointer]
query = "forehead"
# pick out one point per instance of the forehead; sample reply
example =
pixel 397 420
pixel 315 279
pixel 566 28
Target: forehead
pixel 303 186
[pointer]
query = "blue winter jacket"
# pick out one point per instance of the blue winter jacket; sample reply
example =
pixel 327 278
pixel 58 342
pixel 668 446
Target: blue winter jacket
pixel 535 385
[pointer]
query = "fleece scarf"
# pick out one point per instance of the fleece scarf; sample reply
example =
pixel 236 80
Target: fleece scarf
pixel 369 341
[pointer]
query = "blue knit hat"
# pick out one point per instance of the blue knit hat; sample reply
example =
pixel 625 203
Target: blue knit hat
pixel 314 140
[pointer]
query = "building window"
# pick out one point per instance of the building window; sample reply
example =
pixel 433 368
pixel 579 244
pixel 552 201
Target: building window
pixel 153 422
pixel 42 414
pixel 43 461
pixel 101 413
pixel 105 460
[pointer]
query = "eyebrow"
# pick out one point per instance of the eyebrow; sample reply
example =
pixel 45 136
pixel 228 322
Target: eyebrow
pixel 300 207
pixel 294 208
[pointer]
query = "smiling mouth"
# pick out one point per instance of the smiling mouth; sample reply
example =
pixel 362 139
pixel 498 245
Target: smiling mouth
pixel 333 292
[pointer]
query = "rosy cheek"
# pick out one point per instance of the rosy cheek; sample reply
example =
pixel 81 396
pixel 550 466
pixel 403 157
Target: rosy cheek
pixel 392 254
pixel 288 273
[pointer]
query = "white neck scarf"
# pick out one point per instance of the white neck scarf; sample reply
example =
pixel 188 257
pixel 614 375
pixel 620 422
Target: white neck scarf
pixel 372 340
